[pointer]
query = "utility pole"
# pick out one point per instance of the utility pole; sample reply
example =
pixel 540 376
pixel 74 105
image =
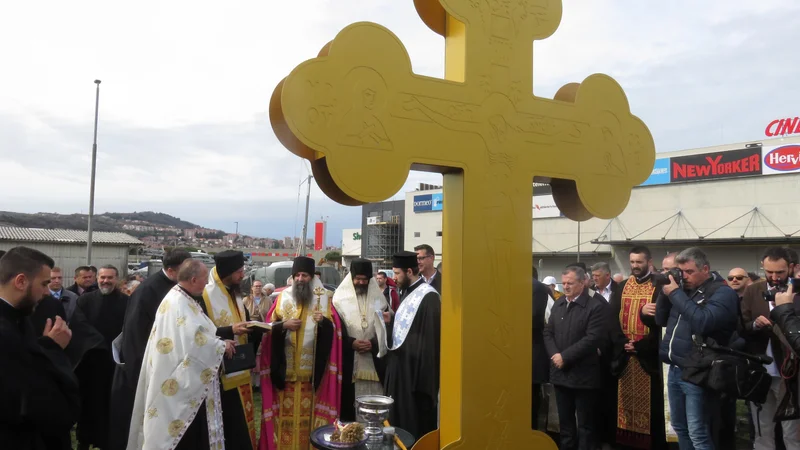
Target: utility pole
pixel 94 167
pixel 302 251
pixel 579 242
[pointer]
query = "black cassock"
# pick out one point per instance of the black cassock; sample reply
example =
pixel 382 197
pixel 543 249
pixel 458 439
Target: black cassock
pixel 105 313
pixel 237 436
pixel 39 392
pixel 412 371
pixel 139 317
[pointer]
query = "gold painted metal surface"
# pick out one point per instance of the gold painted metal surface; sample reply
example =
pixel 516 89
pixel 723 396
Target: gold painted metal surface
pixel 363 119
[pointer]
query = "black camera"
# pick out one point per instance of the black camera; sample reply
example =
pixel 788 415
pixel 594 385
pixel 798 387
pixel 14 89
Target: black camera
pixel 662 279
pixel 769 295
pixel 676 273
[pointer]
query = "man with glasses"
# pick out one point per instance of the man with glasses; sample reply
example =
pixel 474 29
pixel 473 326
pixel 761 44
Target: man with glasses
pixel 426 257
pixel 738 280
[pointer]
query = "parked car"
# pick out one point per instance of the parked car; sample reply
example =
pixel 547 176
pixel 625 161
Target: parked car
pixel 207 259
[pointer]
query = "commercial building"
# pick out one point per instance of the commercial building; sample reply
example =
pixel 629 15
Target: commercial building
pixel 733 201
pixel 68 247
pixel 382 226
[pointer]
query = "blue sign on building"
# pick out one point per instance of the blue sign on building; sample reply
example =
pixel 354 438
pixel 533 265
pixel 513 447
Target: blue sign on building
pixel 428 202
pixel 660 174
pixel 437 202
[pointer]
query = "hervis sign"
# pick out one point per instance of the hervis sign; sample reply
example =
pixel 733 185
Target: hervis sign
pixel 781 159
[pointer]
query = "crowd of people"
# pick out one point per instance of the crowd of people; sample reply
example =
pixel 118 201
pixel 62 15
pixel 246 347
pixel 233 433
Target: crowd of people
pixel 629 364
pixel 178 362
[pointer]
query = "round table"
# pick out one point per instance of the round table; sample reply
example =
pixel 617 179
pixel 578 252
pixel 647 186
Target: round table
pixel 318 440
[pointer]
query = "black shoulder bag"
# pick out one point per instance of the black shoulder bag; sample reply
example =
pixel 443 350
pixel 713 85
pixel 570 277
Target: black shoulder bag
pixel 726 370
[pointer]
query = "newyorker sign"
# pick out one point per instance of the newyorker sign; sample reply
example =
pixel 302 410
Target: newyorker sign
pixel 714 166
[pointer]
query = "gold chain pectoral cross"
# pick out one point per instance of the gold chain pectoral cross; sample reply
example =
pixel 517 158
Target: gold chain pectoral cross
pixel 358 106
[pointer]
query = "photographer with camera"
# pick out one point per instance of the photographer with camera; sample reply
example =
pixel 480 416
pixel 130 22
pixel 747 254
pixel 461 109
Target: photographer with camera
pixel 694 305
pixel 758 302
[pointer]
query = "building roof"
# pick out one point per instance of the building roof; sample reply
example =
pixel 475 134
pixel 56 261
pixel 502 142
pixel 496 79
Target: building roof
pixel 18 234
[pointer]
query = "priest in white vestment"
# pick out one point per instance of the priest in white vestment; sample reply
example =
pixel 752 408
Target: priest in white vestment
pixel 178 402
pixel 356 300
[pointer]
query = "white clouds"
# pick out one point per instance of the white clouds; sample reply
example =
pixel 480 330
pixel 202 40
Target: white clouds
pixel 186 87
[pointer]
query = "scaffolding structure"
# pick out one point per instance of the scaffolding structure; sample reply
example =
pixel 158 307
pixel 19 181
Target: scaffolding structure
pixel 383 240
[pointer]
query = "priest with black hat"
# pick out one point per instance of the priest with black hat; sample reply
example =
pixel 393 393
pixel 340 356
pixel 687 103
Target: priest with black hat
pixel 411 349
pixel 301 391
pixel 356 300
pixel 222 302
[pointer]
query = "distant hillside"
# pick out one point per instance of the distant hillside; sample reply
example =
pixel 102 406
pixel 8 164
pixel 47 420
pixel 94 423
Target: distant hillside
pixel 154 218
pixel 103 222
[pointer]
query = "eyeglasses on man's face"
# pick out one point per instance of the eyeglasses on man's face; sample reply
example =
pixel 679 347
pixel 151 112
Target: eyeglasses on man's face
pixel 736 277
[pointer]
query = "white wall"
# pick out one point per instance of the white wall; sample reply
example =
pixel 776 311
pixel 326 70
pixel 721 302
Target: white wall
pixel 70 257
pixel 350 245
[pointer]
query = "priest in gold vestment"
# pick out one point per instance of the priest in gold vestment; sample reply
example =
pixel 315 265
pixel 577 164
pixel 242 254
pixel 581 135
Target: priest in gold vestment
pixel 356 300
pixel 301 361
pixel 640 400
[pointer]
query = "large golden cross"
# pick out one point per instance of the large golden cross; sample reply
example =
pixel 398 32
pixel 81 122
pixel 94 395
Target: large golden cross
pixel 364 119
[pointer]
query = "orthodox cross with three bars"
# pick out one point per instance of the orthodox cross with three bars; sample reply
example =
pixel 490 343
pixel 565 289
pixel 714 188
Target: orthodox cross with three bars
pixel 364 119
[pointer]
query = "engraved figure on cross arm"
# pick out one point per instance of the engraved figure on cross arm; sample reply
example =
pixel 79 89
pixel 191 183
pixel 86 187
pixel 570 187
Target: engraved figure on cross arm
pixel 361 125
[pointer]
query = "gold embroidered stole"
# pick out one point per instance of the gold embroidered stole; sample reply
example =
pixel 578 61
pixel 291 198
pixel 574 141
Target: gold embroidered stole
pixel 224 311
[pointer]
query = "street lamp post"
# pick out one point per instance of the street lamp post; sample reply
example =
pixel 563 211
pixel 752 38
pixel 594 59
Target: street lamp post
pixel 94 167
pixel 302 251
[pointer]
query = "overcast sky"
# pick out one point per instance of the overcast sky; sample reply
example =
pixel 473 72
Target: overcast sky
pixel 184 126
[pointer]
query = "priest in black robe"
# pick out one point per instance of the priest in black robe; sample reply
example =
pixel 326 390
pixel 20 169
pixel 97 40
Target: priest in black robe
pixel 221 293
pixel 636 363
pixel 39 392
pixel 139 317
pixel 105 311
pixel 413 340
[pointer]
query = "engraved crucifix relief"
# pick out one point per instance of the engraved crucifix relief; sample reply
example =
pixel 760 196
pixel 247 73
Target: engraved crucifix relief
pixel 364 119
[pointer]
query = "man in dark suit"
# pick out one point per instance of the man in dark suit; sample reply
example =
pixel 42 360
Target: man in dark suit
pixel 84 281
pixel 763 338
pixel 572 336
pixel 426 257
pixel 604 290
pixel 540 359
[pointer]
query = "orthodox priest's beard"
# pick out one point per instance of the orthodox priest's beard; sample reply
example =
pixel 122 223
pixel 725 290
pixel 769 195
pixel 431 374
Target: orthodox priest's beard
pixel 105 290
pixel 361 289
pixel 302 292
pixel 404 283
